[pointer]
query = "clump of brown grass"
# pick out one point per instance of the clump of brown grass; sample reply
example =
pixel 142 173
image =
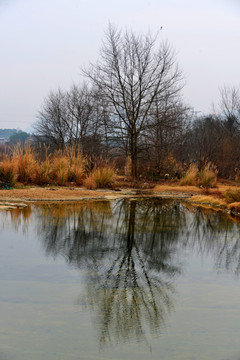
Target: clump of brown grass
pixel 213 192
pixel 207 177
pixel 25 164
pixel 204 178
pixel 190 177
pixel 60 168
pixel 208 200
pixel 89 183
pixel 7 171
pixel 103 177
pixel 77 164
pixel 235 206
pixel 44 172
pixel 232 196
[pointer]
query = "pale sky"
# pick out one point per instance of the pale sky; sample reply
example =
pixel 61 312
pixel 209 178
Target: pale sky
pixel 45 43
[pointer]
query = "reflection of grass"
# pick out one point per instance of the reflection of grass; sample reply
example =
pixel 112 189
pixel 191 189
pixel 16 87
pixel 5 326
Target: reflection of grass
pixel 20 216
pixel 62 210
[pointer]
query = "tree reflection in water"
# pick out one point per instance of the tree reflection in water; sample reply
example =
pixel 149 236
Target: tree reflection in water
pixel 217 234
pixel 130 250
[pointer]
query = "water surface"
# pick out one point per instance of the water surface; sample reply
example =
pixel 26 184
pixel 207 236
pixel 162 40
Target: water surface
pixel 133 279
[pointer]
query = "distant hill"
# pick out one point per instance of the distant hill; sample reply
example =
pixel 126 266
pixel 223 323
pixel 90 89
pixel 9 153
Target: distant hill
pixel 6 133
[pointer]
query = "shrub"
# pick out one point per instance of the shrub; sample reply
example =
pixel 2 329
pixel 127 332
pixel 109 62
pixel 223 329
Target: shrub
pixel 103 177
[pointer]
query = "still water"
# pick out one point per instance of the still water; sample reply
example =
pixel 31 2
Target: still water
pixel 127 279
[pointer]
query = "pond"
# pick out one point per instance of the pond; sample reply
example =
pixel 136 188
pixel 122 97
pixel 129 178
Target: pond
pixel 125 279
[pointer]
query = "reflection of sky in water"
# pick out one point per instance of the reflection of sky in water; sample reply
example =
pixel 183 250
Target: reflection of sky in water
pixel 127 279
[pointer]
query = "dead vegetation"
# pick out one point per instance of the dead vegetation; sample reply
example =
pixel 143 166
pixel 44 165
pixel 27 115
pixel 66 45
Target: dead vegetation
pixel 60 168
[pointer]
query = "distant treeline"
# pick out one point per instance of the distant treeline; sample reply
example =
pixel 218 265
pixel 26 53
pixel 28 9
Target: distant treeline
pixel 14 136
pixel 6 133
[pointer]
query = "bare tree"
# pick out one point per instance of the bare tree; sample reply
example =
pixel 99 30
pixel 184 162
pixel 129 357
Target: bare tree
pixel 133 76
pixel 52 124
pixel 230 107
pixel 166 129
pixel 70 118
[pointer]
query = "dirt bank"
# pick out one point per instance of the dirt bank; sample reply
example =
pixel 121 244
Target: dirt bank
pixel 34 194
pixel 193 194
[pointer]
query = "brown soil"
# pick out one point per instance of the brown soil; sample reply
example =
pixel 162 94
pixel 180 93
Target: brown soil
pixel 50 194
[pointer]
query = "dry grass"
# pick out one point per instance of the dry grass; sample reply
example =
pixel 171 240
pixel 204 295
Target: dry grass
pixel 190 177
pixel 89 183
pixel 204 178
pixel 232 195
pixel 43 173
pixel 7 171
pixel 235 206
pixel 25 164
pixel 60 168
pixel 207 178
pixel 47 194
pixel 103 177
pixel 208 200
pixel 177 187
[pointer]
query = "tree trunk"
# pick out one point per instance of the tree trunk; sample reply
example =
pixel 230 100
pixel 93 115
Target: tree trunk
pixel 133 154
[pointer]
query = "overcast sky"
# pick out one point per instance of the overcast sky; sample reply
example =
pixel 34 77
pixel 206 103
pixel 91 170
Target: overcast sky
pixel 45 43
